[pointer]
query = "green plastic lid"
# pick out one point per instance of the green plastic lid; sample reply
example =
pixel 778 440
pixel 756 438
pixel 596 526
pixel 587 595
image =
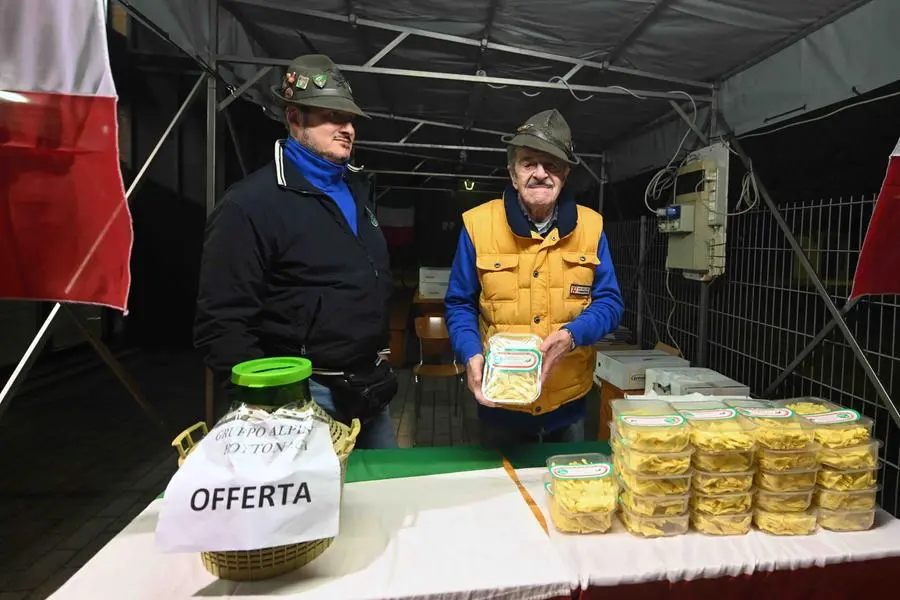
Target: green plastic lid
pixel 271 372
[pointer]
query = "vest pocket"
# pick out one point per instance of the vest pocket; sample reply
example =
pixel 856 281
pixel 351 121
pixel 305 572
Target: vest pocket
pixel 499 274
pixel 578 275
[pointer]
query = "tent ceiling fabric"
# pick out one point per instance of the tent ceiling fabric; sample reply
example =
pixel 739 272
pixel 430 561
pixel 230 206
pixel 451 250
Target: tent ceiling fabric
pixel 689 39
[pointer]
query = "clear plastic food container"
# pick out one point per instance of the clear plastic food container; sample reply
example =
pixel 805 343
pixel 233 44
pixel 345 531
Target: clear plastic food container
pixel 794 523
pixel 722 504
pixel 788 460
pixel 737 524
pixel 512 371
pixel 723 462
pixel 780 502
pixel 846 520
pixel 850 500
pixel 843 480
pixel 650 426
pixel 777 427
pixel 722 483
pixel 656 485
pixel 654 463
pixel 861 456
pixel 583 483
pixel 835 426
pixel 654 506
pixel 652 527
pixel 568 522
pixel 799 480
pixel 716 427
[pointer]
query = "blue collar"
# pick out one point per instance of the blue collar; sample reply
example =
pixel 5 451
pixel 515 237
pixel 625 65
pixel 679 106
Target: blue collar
pixel 566 213
pixel 323 174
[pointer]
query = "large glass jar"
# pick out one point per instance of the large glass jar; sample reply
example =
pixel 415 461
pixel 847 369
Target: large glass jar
pixel 272 382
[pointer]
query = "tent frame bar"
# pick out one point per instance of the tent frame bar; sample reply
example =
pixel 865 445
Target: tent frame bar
pixel 437 174
pixel 483 43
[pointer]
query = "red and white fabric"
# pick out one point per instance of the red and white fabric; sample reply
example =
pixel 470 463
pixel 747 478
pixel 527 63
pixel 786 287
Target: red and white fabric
pixel 397 224
pixel 878 270
pixel 65 227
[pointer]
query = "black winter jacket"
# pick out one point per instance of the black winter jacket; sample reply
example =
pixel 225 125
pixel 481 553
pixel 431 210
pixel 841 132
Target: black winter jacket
pixel 283 275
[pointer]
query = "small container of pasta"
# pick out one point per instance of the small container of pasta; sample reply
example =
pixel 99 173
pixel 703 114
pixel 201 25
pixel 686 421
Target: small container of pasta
pixel 846 520
pixel 843 480
pixel 722 483
pixel 654 506
pixel 777 427
pixel 834 426
pixel 722 504
pixel 781 502
pixel 797 480
pixel 583 492
pixel 653 527
pixel 652 463
pixel 656 485
pixel 650 426
pixel 849 500
pixel 716 427
pixel 792 523
pixel 722 524
pixel 512 371
pixel 775 461
pixel 861 456
pixel 736 461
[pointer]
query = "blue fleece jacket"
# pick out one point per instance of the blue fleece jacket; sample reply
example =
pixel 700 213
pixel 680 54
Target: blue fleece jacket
pixel 325 176
pixel 601 317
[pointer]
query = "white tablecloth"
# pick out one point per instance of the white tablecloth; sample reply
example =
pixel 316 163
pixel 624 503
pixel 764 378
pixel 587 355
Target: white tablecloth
pixel 618 557
pixel 460 535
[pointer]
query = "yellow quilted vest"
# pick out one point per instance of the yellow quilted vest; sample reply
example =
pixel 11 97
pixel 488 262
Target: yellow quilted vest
pixel 537 285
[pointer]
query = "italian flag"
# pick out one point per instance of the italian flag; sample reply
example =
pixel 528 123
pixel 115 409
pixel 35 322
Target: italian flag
pixel 397 223
pixel 65 227
pixel 878 270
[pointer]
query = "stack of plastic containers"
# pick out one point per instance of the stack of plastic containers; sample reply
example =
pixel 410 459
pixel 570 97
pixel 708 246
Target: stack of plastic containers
pixel 723 460
pixel 582 492
pixel 848 459
pixel 652 458
pixel 786 467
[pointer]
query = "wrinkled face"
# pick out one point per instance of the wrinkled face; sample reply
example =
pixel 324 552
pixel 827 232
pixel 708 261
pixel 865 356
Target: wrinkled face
pixel 328 133
pixel 539 178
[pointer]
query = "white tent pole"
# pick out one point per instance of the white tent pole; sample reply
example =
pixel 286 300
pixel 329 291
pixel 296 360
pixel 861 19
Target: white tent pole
pixel 355 21
pixel 237 93
pixel 437 174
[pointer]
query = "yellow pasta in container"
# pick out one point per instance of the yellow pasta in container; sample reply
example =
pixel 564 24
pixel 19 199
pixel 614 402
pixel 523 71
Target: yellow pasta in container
pixel 722 483
pixel 730 524
pixel 843 480
pixel 722 504
pixel 654 506
pixel 846 520
pixel 583 483
pixel 788 460
pixel 835 426
pixel 853 500
pixel 793 523
pixel 723 462
pixel 777 427
pixel 799 480
pixel 862 456
pixel 653 463
pixel 650 426
pixel 781 502
pixel 716 427
pixel 656 485
pixel 567 522
pixel 512 372
pixel 653 527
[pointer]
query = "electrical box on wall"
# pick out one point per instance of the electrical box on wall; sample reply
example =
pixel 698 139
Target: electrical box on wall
pixel 695 222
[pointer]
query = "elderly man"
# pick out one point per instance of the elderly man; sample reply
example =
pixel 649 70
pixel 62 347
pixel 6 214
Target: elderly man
pixel 294 263
pixel 534 262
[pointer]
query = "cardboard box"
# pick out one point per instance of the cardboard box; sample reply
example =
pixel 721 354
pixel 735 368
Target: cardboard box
pixel 434 275
pixel 432 290
pixel 681 381
pixel 625 369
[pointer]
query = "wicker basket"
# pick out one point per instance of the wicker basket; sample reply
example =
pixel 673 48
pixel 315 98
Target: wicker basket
pixel 265 563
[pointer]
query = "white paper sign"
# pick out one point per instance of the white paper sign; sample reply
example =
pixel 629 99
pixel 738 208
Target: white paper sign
pixel 253 484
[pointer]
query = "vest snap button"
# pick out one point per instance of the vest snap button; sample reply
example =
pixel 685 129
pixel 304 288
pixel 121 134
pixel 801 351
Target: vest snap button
pixel 581 258
pixel 537 409
pixel 496 265
pixel 535 274
pixel 537 320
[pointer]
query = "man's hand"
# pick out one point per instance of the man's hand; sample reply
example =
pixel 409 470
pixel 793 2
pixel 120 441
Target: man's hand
pixel 474 373
pixel 555 346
